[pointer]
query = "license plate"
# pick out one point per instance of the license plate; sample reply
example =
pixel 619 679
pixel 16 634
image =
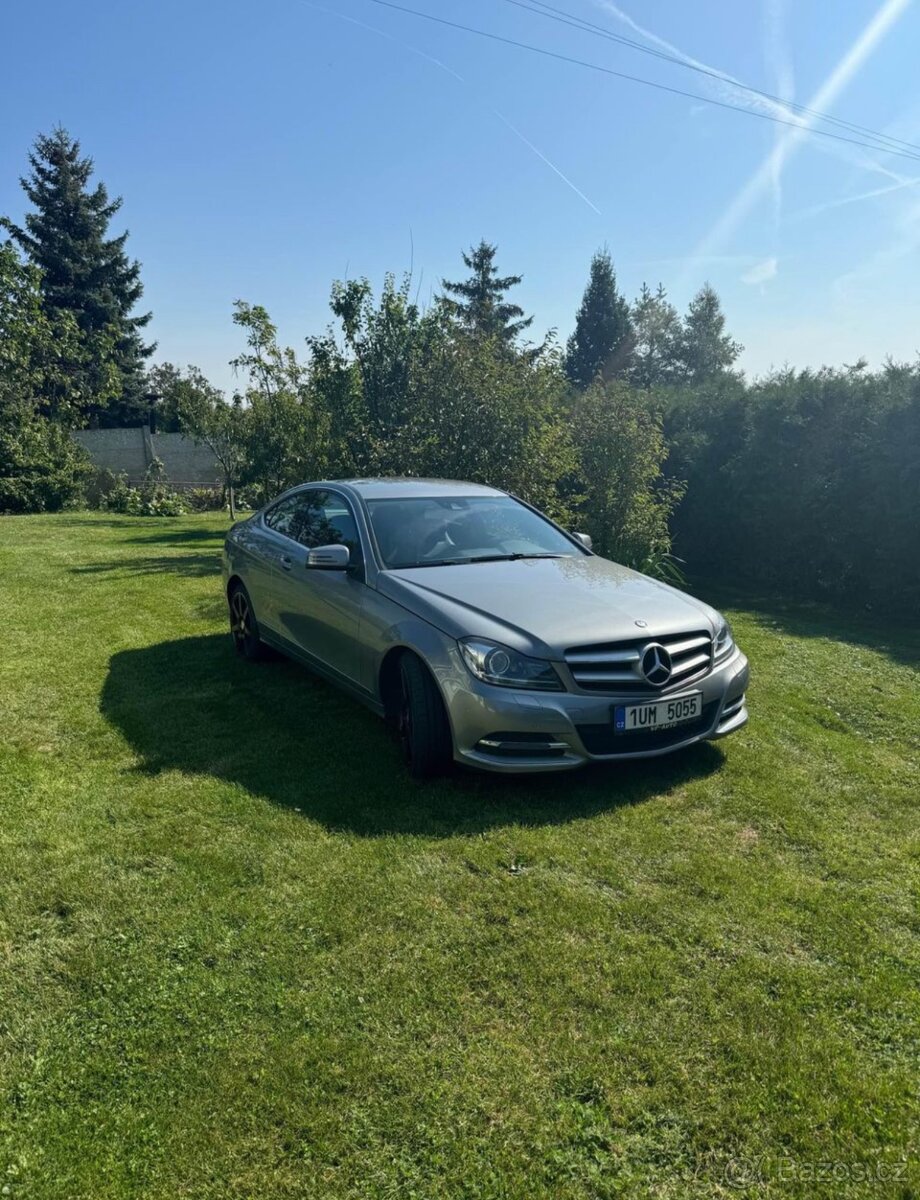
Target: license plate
pixel 663 714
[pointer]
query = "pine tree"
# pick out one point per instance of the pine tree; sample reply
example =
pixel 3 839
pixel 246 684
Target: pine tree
pixel 602 343
pixel 656 358
pixel 86 273
pixel 478 304
pixel 706 349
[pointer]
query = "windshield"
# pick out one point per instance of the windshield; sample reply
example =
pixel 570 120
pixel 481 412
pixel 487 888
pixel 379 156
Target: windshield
pixel 428 531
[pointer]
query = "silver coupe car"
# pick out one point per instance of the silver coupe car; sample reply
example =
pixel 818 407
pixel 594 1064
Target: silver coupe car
pixel 485 633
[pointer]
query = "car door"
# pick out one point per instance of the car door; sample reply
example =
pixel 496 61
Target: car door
pixel 319 611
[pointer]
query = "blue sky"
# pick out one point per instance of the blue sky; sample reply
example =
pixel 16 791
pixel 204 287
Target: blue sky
pixel 264 149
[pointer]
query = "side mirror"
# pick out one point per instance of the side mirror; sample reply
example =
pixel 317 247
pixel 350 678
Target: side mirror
pixel 585 539
pixel 329 558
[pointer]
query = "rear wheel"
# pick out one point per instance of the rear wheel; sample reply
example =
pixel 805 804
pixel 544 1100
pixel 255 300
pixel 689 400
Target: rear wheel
pixel 421 721
pixel 243 625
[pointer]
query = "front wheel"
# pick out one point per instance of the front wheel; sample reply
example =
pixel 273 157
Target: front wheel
pixel 424 732
pixel 243 625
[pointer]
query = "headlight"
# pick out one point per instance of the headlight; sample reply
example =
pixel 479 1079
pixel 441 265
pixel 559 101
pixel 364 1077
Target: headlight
pixel 497 664
pixel 725 643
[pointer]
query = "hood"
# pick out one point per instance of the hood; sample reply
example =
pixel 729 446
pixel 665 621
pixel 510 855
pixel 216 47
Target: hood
pixel 542 606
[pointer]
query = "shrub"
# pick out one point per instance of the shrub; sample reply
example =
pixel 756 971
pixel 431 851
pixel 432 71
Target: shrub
pixel 118 497
pixel 625 504
pixel 99 486
pixel 154 498
pixel 479 415
pixel 409 394
pixel 42 469
pixel 805 483
pixel 204 499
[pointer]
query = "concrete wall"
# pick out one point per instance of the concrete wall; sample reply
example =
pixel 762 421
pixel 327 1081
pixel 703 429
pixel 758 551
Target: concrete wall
pixel 121 450
pixel 187 463
pixel 131 451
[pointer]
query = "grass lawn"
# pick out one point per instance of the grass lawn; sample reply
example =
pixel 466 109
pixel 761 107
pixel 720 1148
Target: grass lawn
pixel 242 955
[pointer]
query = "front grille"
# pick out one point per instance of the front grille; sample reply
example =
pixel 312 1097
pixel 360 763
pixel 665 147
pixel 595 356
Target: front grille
pixel 615 667
pixel 603 739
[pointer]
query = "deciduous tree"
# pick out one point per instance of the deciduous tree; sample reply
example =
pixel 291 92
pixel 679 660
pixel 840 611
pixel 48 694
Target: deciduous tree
pixel 621 452
pixel 205 416
pixel 286 432
pixel 41 466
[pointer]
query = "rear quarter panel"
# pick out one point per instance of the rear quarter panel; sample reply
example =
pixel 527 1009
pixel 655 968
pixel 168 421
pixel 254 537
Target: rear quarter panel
pixel 245 557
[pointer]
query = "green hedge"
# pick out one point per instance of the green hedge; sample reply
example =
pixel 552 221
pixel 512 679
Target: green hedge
pixel 806 483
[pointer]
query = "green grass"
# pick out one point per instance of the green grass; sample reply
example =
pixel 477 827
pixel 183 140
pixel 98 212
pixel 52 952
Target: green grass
pixel 242 955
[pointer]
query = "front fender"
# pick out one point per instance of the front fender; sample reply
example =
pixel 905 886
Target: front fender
pixel 436 650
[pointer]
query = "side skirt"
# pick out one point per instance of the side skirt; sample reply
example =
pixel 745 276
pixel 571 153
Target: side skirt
pixel 289 650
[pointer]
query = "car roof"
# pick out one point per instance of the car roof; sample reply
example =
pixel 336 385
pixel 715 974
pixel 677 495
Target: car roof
pixel 396 488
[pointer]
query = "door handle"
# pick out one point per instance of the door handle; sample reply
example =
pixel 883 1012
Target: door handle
pixel 287 562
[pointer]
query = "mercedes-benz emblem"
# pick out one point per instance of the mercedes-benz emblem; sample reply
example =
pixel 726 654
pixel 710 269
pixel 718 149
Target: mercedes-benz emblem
pixel 656 664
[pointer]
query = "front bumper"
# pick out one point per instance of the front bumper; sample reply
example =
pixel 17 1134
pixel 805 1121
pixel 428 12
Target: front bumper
pixel 494 727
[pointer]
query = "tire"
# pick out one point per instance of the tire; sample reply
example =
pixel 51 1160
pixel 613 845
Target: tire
pixel 421 721
pixel 244 628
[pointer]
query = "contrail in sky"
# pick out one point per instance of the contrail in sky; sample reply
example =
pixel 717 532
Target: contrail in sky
pixel 776 53
pixel 552 166
pixel 769 175
pixel 815 210
pixel 726 86
pixel 839 78
pixel 455 75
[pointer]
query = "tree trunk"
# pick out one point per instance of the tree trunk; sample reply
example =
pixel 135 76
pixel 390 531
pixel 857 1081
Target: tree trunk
pixel 232 501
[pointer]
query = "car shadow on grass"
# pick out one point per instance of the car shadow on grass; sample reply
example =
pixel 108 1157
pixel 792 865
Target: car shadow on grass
pixel 181 538
pixel 187 566
pixel 282 734
pixel 166 532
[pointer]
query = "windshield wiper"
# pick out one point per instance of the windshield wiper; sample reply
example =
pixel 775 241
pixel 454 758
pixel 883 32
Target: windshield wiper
pixel 513 557
pixel 431 562
pixel 480 558
pixel 501 558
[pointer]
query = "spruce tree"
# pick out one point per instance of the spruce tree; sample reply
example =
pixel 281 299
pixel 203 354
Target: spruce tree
pixel 706 350
pixel 87 273
pixel 602 343
pixel 478 303
pixel 657 327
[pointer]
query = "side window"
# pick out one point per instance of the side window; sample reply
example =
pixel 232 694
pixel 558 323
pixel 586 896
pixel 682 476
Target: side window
pixel 324 519
pixel 282 517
